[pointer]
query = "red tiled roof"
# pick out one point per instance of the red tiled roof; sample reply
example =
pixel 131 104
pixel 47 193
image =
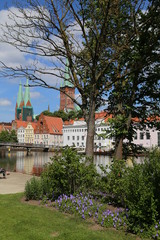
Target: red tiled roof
pixel 24 124
pixel 54 124
pixel 70 122
pixel 100 115
pixel 4 127
pixel 1 128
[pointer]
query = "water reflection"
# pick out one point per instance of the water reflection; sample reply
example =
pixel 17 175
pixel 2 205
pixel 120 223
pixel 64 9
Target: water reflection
pixel 20 162
pixel 102 160
pixel 33 163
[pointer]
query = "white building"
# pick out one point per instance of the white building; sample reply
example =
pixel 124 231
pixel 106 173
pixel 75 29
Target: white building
pixel 147 138
pixel 20 134
pixel 75 133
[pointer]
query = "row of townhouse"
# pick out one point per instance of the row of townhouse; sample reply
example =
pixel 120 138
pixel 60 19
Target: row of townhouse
pixel 47 131
pixel 51 131
pixel 75 133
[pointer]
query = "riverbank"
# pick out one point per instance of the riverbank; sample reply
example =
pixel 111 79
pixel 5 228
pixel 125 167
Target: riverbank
pixel 13 183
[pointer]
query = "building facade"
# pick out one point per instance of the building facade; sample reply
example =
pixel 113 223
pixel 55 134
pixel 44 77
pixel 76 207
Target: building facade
pixel 147 138
pixel 75 133
pixel 25 131
pixel 49 131
pixel 20 135
pixel 29 134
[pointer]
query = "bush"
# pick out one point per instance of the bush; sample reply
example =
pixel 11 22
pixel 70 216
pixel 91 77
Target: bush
pixel 66 174
pixel 69 173
pixel 33 189
pixel 137 188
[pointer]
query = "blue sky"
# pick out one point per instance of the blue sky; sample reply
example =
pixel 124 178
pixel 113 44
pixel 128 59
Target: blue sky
pixel 40 97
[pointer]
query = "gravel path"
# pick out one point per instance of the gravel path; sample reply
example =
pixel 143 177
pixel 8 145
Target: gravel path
pixel 13 183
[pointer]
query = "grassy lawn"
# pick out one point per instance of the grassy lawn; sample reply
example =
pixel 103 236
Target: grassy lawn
pixel 21 221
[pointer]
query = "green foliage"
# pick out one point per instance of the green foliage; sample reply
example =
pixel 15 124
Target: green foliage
pixel 69 173
pixel 33 189
pixel 66 174
pixel 137 188
pixel 6 136
pixel 64 115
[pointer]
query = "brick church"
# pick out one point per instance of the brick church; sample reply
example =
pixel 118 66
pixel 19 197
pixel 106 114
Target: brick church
pixel 66 103
pixel 24 109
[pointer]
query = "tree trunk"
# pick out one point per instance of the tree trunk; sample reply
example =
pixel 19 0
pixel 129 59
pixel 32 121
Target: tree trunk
pixel 90 132
pixel 118 154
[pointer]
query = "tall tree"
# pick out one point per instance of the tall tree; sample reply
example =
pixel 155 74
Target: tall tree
pixel 137 94
pixel 46 29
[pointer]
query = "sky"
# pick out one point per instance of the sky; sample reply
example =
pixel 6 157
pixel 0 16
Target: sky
pixel 40 97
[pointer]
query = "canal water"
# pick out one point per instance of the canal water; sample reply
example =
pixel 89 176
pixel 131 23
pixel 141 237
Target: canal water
pixel 18 161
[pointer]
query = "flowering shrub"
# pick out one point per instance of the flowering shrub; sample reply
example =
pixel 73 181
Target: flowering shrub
pixel 87 207
pixel 137 188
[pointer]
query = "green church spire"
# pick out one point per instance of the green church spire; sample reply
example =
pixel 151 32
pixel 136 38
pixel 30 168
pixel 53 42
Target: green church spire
pixel 27 94
pixel 67 77
pixel 20 95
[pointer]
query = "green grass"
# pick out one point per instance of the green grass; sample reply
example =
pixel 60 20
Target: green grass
pixel 21 221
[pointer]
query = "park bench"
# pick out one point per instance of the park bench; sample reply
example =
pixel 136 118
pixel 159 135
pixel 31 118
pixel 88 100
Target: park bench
pixel 3 171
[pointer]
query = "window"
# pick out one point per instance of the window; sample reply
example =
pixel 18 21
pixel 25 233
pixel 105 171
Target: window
pixel 147 135
pixel 73 137
pixel 82 137
pixel 158 139
pixel 135 136
pixel 77 137
pixel 141 135
pixel 77 143
pixel 67 137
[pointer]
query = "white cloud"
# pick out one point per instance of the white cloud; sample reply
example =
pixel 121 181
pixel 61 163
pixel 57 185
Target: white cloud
pixel 14 58
pixel 5 102
pixel 35 95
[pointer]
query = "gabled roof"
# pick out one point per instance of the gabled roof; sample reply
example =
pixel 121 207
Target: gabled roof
pixel 24 124
pixel 4 127
pixel 54 124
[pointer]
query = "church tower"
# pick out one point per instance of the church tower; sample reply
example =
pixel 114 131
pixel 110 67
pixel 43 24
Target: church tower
pixel 19 104
pixel 66 103
pixel 27 108
pixel 24 109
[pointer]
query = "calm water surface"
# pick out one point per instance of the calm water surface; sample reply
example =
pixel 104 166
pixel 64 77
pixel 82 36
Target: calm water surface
pixel 18 161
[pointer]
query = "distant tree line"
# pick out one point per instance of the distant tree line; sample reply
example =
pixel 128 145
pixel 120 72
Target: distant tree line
pixel 6 136
pixel 66 116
